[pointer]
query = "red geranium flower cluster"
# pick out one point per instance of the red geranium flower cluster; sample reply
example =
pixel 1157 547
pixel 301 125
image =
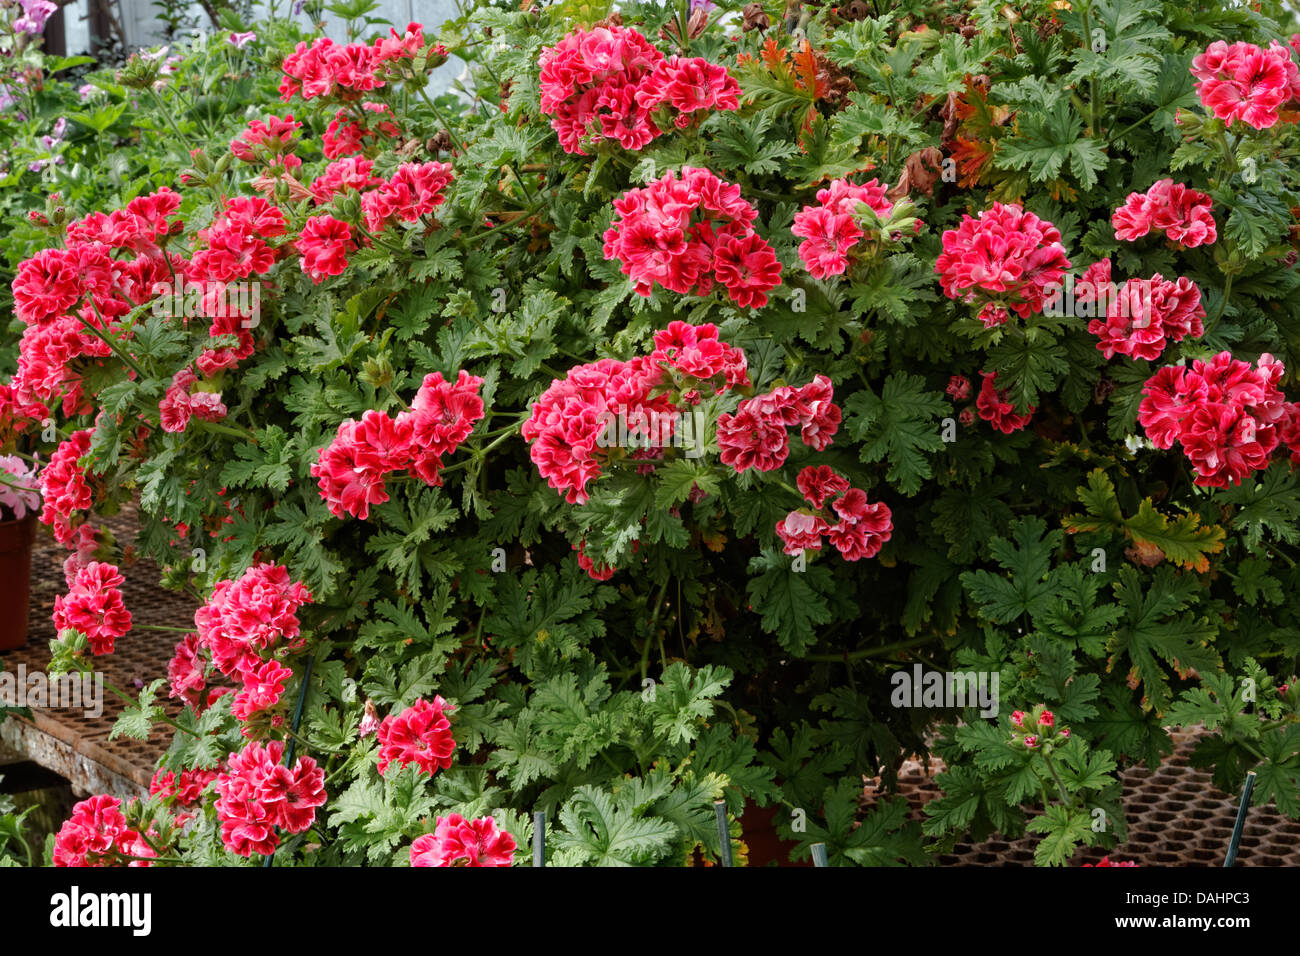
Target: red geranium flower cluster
pixel 1245 82
pixel 16 414
pixel 62 294
pixel 756 437
pixel 351 174
pixel 181 402
pixel 1037 730
pixel 1181 213
pixel 64 490
pixel 831 228
pixel 413 191
pixel 995 408
pixel 346 134
pixel 609 82
pixel 457 841
pixel 351 469
pixel 95 833
pixel 857 528
pixel 1143 315
pixel 243 619
pixel 685 232
pixel 185 789
pixel 1227 416
pixel 597 572
pixel 1003 258
pixel 419 735
pixel 327 69
pixel 93 606
pixel 1105 861
pixel 325 243
pixel 257 793
pixel 84 545
pixel 187 670
pixel 569 419
pixel 269 143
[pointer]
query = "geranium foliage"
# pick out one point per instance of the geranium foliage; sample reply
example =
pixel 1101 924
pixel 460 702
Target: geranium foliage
pixel 605 439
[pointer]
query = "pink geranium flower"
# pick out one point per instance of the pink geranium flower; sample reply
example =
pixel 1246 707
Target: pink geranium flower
pixel 1242 81
pixel 419 735
pixel 1005 257
pixel 457 841
pixel 93 606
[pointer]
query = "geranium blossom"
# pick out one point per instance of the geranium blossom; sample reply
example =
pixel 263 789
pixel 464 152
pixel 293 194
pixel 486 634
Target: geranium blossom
pixel 684 232
pixel 1182 214
pixel 996 409
pixel 566 428
pixel 414 190
pixel 420 735
pixel 93 606
pixel 831 228
pixel 253 613
pixel 324 244
pixel 94 833
pixel 185 788
pixel 181 402
pixel 1143 315
pixel 854 526
pixel 350 471
pixel 187 671
pixel 609 82
pixel 756 437
pixel 457 841
pixel 688 85
pixel 1242 81
pixel 1227 416
pixel 263 686
pixel 1003 258
pixel 351 174
pixel 257 793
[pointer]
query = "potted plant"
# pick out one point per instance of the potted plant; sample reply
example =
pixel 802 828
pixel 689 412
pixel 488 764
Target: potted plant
pixel 19 504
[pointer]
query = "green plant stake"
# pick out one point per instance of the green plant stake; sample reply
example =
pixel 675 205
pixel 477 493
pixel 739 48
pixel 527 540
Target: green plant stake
pixel 724 836
pixel 297 719
pixel 1241 819
pixel 819 855
pixel 539 838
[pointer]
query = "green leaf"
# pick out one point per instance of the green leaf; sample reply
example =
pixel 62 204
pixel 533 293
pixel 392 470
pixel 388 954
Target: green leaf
pixel 602 830
pixel 791 602
pixel 1064 828
pixel 136 720
pixel 1181 539
pixel 1154 631
pixel 1027 557
pixel 1050 141
pixel 900 425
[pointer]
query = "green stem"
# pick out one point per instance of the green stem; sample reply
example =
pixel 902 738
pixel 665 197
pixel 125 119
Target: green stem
pixel 654 620
pixel 111 343
pixel 1066 799
pixel 133 702
pixel 167 115
pixel 221 429
pixel 1122 133
pixel 1094 119
pixel 882 651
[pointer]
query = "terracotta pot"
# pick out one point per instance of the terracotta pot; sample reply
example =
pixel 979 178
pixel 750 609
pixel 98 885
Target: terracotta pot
pixel 759 833
pixel 16 539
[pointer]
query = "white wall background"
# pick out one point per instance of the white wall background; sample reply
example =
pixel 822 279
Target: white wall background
pixel 143 29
